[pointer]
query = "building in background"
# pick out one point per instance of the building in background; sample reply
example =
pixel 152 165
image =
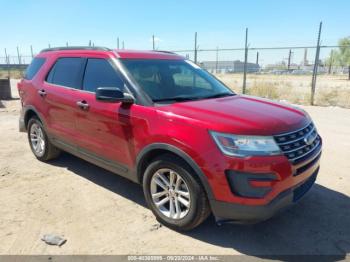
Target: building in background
pixel 229 66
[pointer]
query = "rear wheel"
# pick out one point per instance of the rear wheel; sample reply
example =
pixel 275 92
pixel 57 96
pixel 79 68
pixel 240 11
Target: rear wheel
pixel 39 142
pixel 174 194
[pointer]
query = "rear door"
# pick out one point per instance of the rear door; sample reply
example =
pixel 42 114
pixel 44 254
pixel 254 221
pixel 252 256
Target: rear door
pixel 104 128
pixel 62 81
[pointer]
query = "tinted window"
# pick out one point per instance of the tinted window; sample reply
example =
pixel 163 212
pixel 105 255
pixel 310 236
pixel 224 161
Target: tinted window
pixel 174 79
pixel 66 72
pixel 184 77
pixel 100 73
pixel 34 67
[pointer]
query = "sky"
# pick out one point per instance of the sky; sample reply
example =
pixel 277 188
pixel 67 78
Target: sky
pixel 218 23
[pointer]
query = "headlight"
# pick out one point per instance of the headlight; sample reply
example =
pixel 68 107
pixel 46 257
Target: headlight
pixel 242 146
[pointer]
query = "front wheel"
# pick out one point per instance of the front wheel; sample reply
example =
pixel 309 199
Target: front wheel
pixel 174 194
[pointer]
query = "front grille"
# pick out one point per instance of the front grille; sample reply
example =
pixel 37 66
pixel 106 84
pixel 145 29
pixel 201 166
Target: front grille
pixel 299 144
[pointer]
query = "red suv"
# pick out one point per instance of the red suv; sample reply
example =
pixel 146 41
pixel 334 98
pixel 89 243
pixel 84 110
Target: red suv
pixel 160 120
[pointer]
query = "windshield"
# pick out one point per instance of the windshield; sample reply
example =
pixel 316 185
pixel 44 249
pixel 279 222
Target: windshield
pixel 175 80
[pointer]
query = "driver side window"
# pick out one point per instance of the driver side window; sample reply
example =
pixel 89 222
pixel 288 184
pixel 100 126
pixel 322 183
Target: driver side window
pixel 100 73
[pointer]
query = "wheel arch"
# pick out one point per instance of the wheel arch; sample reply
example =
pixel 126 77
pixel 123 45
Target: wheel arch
pixel 151 151
pixel 29 112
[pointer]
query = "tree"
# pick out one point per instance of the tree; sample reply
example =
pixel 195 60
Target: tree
pixel 342 55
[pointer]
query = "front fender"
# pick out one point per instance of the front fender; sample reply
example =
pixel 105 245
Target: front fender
pixel 177 151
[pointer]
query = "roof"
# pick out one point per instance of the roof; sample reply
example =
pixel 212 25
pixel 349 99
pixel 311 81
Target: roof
pixel 139 54
pixel 119 53
pixel 65 48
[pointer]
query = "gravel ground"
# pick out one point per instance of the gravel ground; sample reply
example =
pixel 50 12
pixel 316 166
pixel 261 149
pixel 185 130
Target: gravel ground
pixel 101 213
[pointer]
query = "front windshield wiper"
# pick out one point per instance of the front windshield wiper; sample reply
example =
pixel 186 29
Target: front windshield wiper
pixel 177 99
pixel 219 95
pixel 188 98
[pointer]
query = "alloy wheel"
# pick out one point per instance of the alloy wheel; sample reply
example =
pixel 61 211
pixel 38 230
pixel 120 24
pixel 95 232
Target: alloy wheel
pixel 170 193
pixel 37 139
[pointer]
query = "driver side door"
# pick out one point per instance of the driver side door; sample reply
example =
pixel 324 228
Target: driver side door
pixel 103 128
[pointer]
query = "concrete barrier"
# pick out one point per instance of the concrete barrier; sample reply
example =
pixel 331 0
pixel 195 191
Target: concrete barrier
pixel 5 89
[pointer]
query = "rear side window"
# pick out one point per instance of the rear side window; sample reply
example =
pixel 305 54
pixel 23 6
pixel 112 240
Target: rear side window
pixel 100 73
pixel 34 68
pixel 66 72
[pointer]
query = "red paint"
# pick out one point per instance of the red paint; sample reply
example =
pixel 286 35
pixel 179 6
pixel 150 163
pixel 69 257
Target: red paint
pixel 118 132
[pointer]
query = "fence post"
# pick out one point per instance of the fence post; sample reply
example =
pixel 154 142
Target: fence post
pixel 7 58
pixel 217 60
pixel 257 58
pixel 245 61
pixel 330 63
pixel 31 51
pixel 314 73
pixel 195 47
pixel 19 56
pixel 289 58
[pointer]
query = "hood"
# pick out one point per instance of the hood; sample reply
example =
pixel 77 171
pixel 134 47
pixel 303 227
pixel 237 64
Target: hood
pixel 238 115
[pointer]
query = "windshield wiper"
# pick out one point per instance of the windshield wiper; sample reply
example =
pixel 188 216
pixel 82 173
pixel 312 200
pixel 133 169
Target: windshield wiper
pixel 219 95
pixel 177 99
pixel 188 98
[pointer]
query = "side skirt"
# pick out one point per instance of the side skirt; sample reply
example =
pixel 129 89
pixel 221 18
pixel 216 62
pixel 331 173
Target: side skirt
pixel 104 163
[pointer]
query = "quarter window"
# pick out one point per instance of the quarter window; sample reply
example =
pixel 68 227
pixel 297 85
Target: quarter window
pixel 100 73
pixel 66 72
pixel 34 68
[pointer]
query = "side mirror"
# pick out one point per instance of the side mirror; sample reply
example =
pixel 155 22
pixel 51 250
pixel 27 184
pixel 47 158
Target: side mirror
pixel 113 94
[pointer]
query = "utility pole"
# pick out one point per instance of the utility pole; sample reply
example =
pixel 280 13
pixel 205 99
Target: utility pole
pixel 289 57
pixel 195 47
pixel 153 42
pixel 117 42
pixel 31 51
pixel 257 58
pixel 245 61
pixel 314 73
pixel 19 56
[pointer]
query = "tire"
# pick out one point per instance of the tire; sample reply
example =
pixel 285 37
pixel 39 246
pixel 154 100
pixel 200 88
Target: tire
pixel 43 149
pixel 186 217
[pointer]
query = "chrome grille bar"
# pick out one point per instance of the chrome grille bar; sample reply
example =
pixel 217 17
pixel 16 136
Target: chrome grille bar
pixel 294 144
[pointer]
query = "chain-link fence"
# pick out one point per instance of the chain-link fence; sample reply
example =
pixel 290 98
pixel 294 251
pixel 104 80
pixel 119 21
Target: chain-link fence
pixel 298 74
pixel 282 73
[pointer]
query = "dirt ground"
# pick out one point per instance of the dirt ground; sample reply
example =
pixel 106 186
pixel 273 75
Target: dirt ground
pixel 331 90
pixel 102 213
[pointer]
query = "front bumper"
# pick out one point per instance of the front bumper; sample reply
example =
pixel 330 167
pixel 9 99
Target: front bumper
pixel 238 213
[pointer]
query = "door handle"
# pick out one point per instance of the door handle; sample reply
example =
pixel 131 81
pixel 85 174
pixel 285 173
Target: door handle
pixel 83 105
pixel 42 92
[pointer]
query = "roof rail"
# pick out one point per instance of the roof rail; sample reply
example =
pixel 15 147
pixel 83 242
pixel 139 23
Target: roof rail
pixel 164 51
pixel 97 48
